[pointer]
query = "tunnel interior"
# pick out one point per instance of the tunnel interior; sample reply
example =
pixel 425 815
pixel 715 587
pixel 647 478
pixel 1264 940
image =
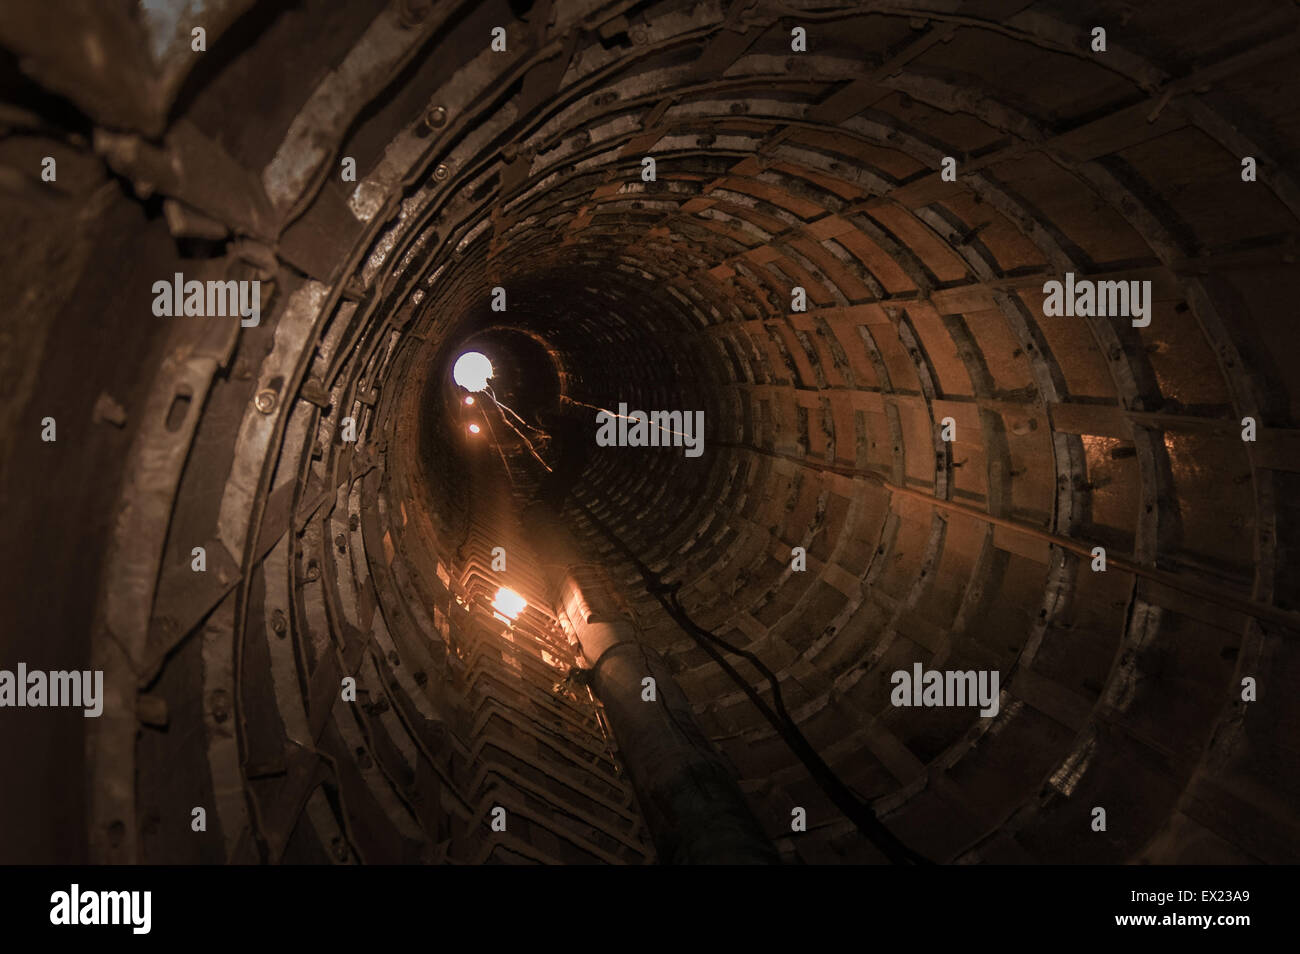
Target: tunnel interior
pixel 826 231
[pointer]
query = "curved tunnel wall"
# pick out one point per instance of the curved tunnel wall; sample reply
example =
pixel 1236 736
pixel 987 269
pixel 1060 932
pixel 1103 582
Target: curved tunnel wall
pixel 523 169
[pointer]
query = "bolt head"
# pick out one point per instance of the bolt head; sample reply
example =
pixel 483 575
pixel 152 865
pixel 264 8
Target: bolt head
pixel 436 117
pixel 441 172
pixel 265 401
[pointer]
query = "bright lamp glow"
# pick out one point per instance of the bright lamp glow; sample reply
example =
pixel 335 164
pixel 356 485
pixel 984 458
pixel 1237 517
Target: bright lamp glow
pixel 472 370
pixel 469 400
pixel 473 428
pixel 509 604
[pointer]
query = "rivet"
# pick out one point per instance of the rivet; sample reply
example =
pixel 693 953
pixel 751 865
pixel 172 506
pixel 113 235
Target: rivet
pixel 340 848
pixel 441 172
pixel 220 705
pixel 411 13
pixel 265 401
pixel 436 117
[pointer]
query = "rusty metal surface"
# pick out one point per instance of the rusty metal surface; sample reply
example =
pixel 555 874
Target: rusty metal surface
pixel 328 558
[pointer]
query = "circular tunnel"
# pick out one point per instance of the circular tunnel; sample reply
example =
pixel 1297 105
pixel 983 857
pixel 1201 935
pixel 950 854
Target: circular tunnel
pixel 827 232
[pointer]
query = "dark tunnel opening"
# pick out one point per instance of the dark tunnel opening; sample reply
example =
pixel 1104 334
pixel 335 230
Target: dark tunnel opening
pixel 785 414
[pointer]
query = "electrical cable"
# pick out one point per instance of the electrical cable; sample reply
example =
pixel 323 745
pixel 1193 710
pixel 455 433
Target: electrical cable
pixel 844 798
pixel 841 796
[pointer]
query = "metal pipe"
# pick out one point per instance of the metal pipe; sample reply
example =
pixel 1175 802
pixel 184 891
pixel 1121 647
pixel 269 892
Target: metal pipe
pixel 691 802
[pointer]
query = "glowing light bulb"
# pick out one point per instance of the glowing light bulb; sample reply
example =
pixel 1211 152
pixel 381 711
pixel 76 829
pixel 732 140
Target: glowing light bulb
pixel 472 370
pixel 469 399
pixel 473 428
pixel 509 604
